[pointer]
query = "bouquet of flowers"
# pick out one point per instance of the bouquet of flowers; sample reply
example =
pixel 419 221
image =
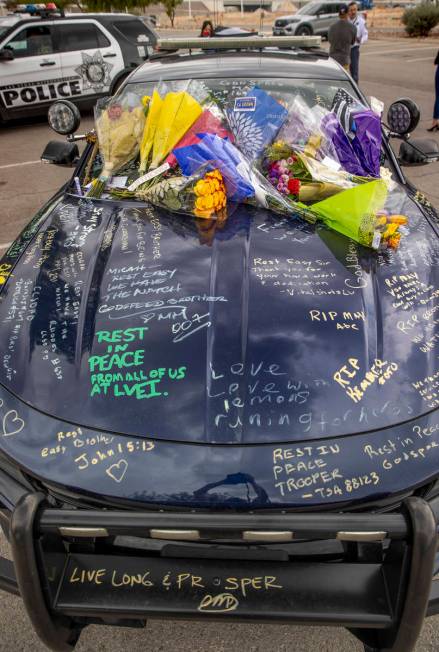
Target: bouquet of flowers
pixel 207 123
pixel 203 194
pixel 119 128
pixel 302 177
pixel 302 131
pixel 214 152
pixel 167 122
pixel 255 120
pixel 358 213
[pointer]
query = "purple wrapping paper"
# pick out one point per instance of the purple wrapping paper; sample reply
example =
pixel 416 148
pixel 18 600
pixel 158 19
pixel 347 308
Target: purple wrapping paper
pixel 367 141
pixel 333 130
pixel 361 155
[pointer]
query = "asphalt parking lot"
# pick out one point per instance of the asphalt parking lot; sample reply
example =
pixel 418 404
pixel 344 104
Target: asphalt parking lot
pixel 389 69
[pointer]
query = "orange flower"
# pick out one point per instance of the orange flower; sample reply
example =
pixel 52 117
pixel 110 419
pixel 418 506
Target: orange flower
pixel 393 242
pixel 211 194
pixel 398 219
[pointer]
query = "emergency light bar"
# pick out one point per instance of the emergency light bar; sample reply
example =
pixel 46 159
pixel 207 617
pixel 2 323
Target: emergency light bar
pixel 240 43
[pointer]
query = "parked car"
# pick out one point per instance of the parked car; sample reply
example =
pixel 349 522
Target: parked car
pixel 312 18
pixel 191 418
pixel 78 56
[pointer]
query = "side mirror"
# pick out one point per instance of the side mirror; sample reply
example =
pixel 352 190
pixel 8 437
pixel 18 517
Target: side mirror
pixel 6 54
pixel 64 117
pixel 403 116
pixel 418 151
pixel 60 153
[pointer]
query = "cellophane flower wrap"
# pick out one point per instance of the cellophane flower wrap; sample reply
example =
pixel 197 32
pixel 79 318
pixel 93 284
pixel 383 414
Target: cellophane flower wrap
pixel 204 152
pixel 255 120
pixel 169 119
pixel 355 132
pixel 207 123
pixel 202 194
pixel 302 131
pixel 119 128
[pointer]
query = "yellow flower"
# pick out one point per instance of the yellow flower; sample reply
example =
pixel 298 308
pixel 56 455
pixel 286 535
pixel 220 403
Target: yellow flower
pixel 398 219
pixel 146 100
pixel 390 230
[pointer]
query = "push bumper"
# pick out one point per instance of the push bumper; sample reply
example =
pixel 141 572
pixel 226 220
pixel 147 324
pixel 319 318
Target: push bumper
pixel 70 571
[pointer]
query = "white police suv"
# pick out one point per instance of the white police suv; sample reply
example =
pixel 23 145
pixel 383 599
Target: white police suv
pixel 78 56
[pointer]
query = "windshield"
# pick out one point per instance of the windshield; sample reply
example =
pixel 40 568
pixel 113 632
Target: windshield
pixel 309 9
pixel 223 91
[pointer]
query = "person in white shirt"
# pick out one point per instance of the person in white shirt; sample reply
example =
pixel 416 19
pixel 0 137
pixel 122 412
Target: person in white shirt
pixel 362 35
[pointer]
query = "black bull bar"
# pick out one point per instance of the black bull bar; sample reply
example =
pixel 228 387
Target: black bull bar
pixel 381 598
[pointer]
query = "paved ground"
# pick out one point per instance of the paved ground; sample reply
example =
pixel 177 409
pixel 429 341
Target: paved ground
pixel 389 69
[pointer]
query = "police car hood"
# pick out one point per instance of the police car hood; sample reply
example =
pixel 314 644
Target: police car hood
pixel 126 319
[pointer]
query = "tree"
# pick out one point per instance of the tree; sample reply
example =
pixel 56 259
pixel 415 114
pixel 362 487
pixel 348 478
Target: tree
pixel 420 20
pixel 170 7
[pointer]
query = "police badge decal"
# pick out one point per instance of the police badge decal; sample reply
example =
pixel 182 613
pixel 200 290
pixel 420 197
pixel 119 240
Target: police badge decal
pixel 94 71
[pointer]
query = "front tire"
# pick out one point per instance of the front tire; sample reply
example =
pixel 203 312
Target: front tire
pixel 304 31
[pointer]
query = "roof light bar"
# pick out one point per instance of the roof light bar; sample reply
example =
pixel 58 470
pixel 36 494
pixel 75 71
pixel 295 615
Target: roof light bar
pixel 240 43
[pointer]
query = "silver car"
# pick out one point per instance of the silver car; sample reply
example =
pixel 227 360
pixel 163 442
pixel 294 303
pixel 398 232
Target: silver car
pixel 312 18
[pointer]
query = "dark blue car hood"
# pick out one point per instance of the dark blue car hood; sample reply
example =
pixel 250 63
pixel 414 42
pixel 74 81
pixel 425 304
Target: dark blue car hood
pixel 118 319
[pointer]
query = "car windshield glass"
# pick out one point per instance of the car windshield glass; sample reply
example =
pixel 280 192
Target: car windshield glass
pixel 313 91
pixel 309 9
pixel 3 29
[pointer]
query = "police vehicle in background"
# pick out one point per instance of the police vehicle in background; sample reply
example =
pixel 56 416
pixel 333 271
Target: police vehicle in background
pixel 81 57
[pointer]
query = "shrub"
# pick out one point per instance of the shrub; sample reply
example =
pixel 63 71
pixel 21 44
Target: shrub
pixel 420 20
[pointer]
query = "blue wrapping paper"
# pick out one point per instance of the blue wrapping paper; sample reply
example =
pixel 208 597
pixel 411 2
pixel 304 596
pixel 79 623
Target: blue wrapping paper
pixel 255 120
pixel 215 152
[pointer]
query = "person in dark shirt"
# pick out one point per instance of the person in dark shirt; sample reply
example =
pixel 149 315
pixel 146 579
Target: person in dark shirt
pixel 342 36
pixel 435 123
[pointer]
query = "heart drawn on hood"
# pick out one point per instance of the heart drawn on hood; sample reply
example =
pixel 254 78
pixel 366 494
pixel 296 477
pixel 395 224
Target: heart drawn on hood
pixel 12 423
pixel 117 471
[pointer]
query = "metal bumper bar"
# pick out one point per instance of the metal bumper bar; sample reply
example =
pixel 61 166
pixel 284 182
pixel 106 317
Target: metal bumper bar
pixel 383 601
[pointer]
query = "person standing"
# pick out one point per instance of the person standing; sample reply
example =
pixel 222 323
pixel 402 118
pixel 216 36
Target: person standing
pixel 207 30
pixel 435 123
pixel 341 37
pixel 359 23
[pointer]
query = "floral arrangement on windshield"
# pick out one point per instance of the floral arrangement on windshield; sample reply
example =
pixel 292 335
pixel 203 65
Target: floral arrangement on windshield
pixel 187 154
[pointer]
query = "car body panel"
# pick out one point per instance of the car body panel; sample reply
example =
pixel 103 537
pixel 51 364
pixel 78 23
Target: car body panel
pixel 247 345
pixel 233 373
pixel 102 254
pixel 29 84
pixel 104 467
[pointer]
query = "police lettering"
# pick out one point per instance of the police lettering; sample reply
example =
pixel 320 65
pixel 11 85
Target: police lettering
pixel 41 93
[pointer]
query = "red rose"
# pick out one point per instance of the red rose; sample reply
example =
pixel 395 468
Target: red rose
pixel 294 186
